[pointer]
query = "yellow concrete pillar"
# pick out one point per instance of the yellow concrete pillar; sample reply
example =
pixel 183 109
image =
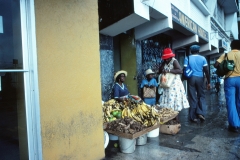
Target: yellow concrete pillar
pixel 69 79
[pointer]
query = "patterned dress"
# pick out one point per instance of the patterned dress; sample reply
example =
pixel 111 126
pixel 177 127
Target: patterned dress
pixel 174 97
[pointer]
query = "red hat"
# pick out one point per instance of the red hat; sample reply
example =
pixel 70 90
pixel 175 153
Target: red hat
pixel 167 53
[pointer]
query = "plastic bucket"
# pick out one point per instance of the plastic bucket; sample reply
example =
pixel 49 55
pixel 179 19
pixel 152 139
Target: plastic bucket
pixel 127 145
pixel 106 139
pixel 153 133
pixel 142 140
pixel 113 137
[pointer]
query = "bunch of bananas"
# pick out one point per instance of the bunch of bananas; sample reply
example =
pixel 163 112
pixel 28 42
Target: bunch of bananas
pixel 139 111
pixel 147 116
pixel 111 110
pixel 166 114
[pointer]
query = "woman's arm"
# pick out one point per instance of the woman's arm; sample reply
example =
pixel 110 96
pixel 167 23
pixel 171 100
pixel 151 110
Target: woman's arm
pixel 219 60
pixel 161 68
pixel 176 68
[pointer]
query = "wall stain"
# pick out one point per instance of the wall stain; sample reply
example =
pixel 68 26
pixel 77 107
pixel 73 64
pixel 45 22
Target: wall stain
pixel 82 124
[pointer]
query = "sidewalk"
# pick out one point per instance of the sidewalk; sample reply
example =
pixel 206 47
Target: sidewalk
pixel 207 140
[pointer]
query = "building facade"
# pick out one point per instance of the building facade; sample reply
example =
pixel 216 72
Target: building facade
pixel 177 24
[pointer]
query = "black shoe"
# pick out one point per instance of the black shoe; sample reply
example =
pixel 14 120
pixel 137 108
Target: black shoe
pixel 201 117
pixel 233 129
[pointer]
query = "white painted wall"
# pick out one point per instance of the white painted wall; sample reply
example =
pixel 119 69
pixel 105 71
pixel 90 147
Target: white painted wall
pixel 197 16
pixel 213 38
pixel 211 5
pixel 162 6
pixel 232 25
pixel 141 9
pixel 155 26
pixel 182 5
pixel 192 11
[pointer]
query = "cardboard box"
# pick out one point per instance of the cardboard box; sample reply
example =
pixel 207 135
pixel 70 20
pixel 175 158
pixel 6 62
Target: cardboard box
pixel 170 129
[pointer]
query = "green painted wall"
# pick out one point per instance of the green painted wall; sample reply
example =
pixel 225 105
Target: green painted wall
pixel 128 60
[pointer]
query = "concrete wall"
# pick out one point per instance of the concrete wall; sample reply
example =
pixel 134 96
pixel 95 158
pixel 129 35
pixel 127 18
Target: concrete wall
pixel 182 5
pixel 232 25
pixel 69 79
pixel 197 16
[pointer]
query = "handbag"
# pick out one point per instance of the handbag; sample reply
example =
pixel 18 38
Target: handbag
pixel 187 71
pixel 149 92
pixel 225 66
pixel 167 80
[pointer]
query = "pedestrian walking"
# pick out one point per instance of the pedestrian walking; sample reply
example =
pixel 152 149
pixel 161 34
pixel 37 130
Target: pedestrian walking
pixel 174 96
pixel 196 95
pixel 149 86
pixel 232 87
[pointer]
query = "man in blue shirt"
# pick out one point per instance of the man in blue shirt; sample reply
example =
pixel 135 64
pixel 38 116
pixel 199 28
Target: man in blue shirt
pixel 196 95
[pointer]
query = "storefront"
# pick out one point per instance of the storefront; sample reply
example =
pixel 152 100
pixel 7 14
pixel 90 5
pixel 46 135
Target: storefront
pixel 20 125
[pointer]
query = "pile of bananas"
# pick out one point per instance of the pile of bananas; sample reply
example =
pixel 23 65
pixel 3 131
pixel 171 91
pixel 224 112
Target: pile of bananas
pixel 147 116
pixel 111 106
pixel 112 110
pixel 139 111
pixel 166 114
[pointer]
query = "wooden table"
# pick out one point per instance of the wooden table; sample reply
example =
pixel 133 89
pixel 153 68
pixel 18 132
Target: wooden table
pixel 135 135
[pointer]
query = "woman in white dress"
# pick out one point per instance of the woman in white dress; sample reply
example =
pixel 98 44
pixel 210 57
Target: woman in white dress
pixel 175 96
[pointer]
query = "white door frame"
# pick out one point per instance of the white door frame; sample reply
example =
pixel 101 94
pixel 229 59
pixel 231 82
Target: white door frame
pixel 31 79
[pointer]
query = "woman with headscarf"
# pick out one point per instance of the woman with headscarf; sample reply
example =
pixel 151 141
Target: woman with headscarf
pixel 173 97
pixel 120 91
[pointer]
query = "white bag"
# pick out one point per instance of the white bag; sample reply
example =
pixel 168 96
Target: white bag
pixel 167 80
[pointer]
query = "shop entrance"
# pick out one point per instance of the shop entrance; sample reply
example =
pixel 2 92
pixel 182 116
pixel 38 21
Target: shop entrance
pixel 13 134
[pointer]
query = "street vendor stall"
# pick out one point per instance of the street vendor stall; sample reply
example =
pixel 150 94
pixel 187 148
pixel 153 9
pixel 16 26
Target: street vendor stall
pixel 132 135
pixel 133 119
pixel 130 119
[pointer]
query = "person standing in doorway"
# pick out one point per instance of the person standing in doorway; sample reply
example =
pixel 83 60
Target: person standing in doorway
pixel 232 87
pixel 196 95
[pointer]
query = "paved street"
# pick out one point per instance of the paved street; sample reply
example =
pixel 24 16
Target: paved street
pixel 203 141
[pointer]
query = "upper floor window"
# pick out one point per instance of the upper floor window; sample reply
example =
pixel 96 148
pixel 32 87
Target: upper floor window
pixel 219 15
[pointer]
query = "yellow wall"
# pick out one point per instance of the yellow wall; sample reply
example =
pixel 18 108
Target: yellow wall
pixel 69 79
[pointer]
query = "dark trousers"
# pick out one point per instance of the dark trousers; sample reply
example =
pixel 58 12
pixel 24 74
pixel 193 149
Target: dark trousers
pixel 196 97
